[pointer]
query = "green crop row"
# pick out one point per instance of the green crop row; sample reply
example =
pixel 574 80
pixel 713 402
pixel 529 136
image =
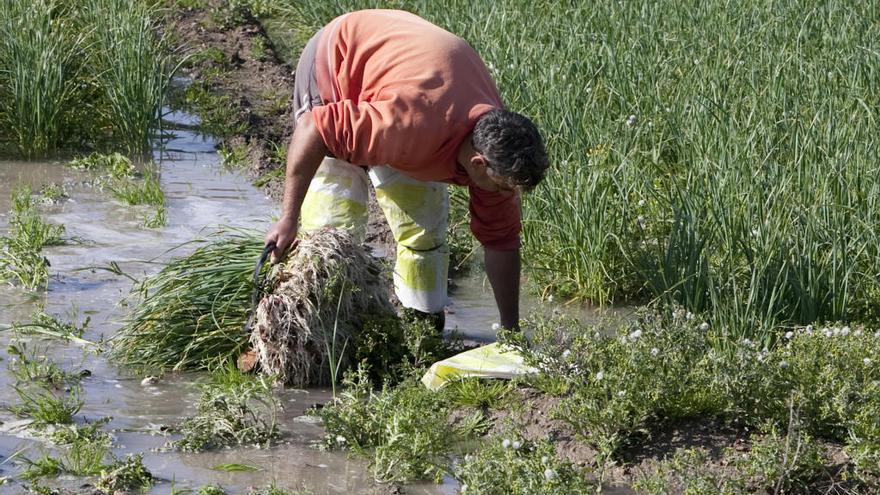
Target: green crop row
pixel 80 74
pixel 716 155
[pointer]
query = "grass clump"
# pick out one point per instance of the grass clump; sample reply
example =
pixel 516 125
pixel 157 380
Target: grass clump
pixel 124 475
pixel 234 409
pixel 80 458
pixel 192 312
pixel 28 366
pixel 21 259
pixel 43 323
pixel 504 466
pixel 46 406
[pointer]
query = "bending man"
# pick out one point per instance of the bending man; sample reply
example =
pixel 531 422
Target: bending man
pixel 386 97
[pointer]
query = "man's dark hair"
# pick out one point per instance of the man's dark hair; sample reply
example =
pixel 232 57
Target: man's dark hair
pixel 512 147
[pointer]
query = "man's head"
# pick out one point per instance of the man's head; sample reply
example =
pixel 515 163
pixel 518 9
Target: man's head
pixel 511 150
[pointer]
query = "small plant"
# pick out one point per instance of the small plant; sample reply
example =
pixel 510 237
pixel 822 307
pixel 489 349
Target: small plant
pixel 21 258
pixel 475 392
pixel 43 323
pixel 686 472
pixel 53 193
pixel 403 430
pixel 211 490
pixel 234 409
pixel 46 406
pixel 28 366
pixel 514 467
pixel 80 458
pixel 124 475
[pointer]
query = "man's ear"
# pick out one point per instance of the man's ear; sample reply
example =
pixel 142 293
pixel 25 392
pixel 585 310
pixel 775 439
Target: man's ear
pixel 479 162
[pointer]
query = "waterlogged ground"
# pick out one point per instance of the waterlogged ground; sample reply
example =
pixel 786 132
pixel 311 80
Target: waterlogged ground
pixel 200 195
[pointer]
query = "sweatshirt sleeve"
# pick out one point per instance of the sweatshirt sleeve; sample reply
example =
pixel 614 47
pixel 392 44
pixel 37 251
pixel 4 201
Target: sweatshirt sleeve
pixel 369 132
pixel 495 218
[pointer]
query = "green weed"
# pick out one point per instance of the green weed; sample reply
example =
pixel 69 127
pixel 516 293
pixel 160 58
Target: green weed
pixel 403 430
pixel 29 366
pixel 80 458
pixel 21 259
pixel 686 472
pixel 43 323
pixel 124 475
pixel 506 466
pixel 45 405
pixel 475 392
pixel 211 490
pixel 234 409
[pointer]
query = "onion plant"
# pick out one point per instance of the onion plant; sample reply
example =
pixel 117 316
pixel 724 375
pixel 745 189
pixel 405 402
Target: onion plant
pixel 40 66
pixel 720 156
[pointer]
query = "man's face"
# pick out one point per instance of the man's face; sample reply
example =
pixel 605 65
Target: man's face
pixel 488 180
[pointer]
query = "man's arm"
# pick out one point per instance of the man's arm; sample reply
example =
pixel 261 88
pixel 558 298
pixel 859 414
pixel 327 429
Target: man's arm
pixel 304 156
pixel 503 269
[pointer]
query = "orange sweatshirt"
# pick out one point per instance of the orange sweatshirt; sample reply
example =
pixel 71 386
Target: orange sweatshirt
pixel 402 92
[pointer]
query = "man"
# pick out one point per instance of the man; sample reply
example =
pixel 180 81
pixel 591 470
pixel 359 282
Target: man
pixel 387 97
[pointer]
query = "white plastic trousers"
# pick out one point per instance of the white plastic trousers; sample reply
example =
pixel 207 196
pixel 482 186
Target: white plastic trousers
pixel 416 211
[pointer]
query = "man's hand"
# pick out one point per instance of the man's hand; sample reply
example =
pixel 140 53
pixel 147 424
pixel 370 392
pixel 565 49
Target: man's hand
pixel 503 269
pixel 304 156
pixel 283 234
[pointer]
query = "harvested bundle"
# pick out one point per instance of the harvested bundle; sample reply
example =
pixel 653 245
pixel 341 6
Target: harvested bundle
pixel 191 313
pixel 319 298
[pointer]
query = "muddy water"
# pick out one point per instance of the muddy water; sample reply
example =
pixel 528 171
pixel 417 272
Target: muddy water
pixel 200 196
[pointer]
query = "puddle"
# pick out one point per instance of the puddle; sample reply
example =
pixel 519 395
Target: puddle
pixel 200 196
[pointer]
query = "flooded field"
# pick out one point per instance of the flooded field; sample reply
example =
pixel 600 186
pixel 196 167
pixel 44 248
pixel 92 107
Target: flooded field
pixel 201 195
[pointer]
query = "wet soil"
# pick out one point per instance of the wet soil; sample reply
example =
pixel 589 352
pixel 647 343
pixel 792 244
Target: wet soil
pixel 531 417
pixel 247 77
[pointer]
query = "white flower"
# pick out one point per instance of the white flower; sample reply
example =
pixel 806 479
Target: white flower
pixel 641 221
pixel 340 439
pixel 496 326
pixel 505 443
pixel 809 329
pixel 566 353
pixel 836 331
pixel 549 474
pixel 704 326
pixel 789 335
pixel 827 331
pixel 621 393
pixel 655 351
pixel 516 445
pixel 463 488
pixel 689 316
pixel 635 335
pixel 468 458
pixel 844 331
pixel 631 121
pixel 545 459
pixel 746 342
pixel 550 298
pixel 641 202
pixel 857 333
pixel 877 334
pixel 867 361
pixel 668 109
pixel 599 376
pixel 783 364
